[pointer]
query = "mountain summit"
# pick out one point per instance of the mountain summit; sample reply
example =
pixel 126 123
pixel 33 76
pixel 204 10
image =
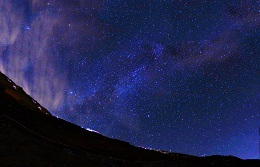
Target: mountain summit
pixel 31 136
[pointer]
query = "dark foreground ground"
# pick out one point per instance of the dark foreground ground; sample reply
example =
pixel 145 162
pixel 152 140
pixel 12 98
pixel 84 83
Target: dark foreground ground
pixel 30 136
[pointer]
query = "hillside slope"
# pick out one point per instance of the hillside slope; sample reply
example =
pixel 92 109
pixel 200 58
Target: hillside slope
pixel 31 136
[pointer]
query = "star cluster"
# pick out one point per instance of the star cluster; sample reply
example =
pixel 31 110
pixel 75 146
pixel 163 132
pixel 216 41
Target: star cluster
pixel 178 76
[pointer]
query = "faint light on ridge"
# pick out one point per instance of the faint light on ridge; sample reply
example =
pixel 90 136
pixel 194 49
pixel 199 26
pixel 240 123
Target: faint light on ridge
pixel 91 130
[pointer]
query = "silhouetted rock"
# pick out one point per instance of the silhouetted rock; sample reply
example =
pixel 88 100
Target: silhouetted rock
pixel 31 136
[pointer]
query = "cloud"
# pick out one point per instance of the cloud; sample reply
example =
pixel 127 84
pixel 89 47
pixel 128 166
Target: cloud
pixel 27 58
pixel 9 24
pixel 40 39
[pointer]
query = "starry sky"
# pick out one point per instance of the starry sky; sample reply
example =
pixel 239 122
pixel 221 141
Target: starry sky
pixel 173 75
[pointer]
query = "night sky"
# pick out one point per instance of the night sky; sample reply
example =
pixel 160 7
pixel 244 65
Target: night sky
pixel 173 75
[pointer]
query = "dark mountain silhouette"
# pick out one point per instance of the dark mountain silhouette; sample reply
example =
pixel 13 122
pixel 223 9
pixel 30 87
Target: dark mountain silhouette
pixel 31 136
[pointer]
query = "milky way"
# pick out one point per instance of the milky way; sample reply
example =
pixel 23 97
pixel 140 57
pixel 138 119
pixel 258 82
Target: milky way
pixel 178 75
